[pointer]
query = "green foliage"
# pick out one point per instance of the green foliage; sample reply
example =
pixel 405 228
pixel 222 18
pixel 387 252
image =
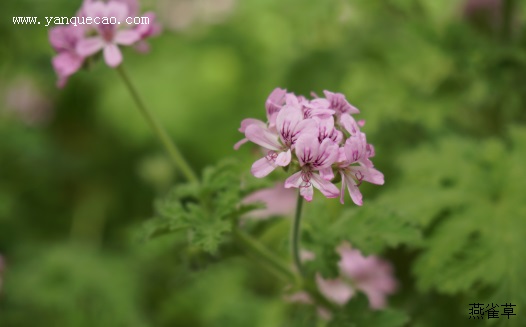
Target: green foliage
pixel 206 210
pixel 372 229
pixel 358 314
pixel 68 294
pixel 476 243
pixel 438 94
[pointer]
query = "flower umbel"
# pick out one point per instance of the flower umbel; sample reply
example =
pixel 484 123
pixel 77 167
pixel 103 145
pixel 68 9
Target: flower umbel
pixel 100 25
pixel 319 137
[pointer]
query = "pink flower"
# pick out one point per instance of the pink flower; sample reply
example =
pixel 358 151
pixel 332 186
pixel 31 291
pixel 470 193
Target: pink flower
pixel 321 122
pixel 274 103
pixel 339 103
pixel 370 275
pixel 64 40
pixel 355 167
pixel 343 111
pixel 313 156
pixel 146 31
pixel 279 201
pixel 335 290
pixel 28 103
pixel 110 35
pixel 279 143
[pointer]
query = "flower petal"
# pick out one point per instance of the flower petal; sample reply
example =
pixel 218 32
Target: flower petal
pixel 89 46
pixel 368 174
pixel 307 149
pixel 349 124
pixel 66 63
pixel 112 55
pixel 94 9
pixel 327 188
pixel 327 173
pixel 342 191
pixel 262 137
pixel 240 143
pixel 263 167
pixel 327 154
pixel 284 158
pixel 117 9
pixel 340 103
pixel 126 37
pixel 250 121
pixel 354 191
pixel 58 39
pixel 355 148
pixel 307 192
pixel 335 290
pixel 294 181
pixel 274 102
pixel 286 121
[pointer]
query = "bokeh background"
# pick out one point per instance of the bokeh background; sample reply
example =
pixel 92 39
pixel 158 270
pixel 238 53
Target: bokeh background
pixel 441 85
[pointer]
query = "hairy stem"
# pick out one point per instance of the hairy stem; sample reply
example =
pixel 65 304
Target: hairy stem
pixel 174 153
pixel 295 236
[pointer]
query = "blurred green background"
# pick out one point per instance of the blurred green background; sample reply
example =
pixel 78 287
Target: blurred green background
pixel 441 85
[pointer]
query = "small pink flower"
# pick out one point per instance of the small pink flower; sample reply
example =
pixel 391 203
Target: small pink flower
pixel 327 130
pixel 64 40
pixel 279 201
pixel 313 156
pixel 279 143
pixel 146 31
pixel 339 103
pixel 335 290
pixel 343 111
pixel 110 35
pixel 28 103
pixel 274 103
pixel 370 275
pixel 355 167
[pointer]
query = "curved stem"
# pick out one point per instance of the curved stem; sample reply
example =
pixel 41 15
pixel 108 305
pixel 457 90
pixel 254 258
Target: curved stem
pixel 174 153
pixel 268 259
pixel 295 235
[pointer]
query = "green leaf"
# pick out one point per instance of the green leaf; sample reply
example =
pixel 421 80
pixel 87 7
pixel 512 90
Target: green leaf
pixel 358 314
pixel 207 210
pixel 476 245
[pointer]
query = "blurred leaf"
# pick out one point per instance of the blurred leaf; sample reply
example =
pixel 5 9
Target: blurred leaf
pixel 357 314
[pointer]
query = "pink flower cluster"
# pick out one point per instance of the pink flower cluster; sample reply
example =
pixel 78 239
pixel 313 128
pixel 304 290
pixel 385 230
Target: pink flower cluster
pixel 317 137
pixel 370 275
pixel 75 43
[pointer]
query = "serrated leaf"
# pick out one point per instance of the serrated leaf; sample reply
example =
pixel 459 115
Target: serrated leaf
pixel 207 210
pixel 374 228
pixel 477 247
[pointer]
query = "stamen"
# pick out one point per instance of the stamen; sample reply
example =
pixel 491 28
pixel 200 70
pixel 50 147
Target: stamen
pixel 271 156
pixel 359 176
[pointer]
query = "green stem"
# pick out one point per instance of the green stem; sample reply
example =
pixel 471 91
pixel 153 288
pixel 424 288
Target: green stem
pixel 267 258
pixel 295 236
pixel 174 153
pixel 507 18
